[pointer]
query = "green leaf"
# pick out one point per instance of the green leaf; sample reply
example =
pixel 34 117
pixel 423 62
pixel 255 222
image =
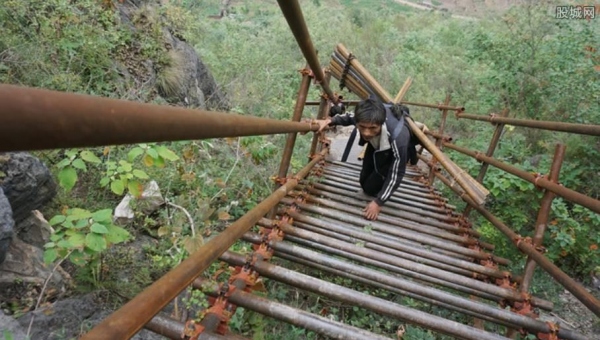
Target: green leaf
pixel 63 163
pixel 126 166
pixel 64 244
pixel 50 255
pixel 77 240
pixel 104 181
pixel 79 164
pixel 135 188
pixel 134 153
pixel 159 162
pixel 140 174
pixel 89 157
pixel 148 160
pixel 117 187
pixel 49 245
pixel 81 223
pixel 78 258
pixel 67 178
pixel 152 153
pixel 167 154
pixel 95 242
pixel 116 234
pixel 78 213
pixel 102 215
pixel 57 219
pixel 99 228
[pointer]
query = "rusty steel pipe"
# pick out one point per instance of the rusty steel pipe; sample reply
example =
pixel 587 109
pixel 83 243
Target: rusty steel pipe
pixel 435 106
pixel 428 257
pixel 406 234
pixel 417 195
pixel 409 186
pixel 293 15
pixel 490 152
pixel 347 102
pixel 288 149
pixel 173 329
pixel 293 248
pixel 542 218
pixel 414 196
pixel 439 139
pixel 449 232
pixel 404 250
pixel 530 324
pixel 126 321
pixel 556 188
pixel 397 197
pixel 403 266
pixel 423 229
pixel 437 135
pixel 583 129
pixel 390 263
pixel 366 301
pixel 321 114
pixel 34 119
pixel 293 316
pixel 400 213
pixel 567 282
pixel 358 168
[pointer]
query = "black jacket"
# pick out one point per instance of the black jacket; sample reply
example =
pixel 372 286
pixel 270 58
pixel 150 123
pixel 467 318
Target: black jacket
pixel 391 158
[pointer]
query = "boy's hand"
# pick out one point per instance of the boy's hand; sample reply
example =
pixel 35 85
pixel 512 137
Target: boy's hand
pixel 371 211
pixel 323 123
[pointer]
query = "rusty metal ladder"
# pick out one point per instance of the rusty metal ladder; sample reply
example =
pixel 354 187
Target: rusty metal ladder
pixel 418 248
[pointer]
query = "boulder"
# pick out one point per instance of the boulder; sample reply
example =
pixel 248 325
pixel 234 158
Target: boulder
pixel 34 229
pixel 184 80
pixel 27 183
pixel 6 225
pixel 64 319
pixel 24 264
pixel 11 327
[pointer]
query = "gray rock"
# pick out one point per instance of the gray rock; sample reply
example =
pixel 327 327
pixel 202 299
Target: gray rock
pixel 11 327
pixel 6 225
pixel 27 183
pixel 24 263
pixel 34 229
pixel 66 319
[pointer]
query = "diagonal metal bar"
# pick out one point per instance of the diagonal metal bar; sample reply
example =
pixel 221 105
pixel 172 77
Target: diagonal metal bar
pixel 130 318
pixel 34 119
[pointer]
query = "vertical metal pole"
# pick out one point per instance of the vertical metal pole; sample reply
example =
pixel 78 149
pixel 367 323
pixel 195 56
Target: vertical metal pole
pixel 541 223
pixel 291 137
pixel 322 114
pixel 288 150
pixel 438 141
pixel 490 152
pixel 542 218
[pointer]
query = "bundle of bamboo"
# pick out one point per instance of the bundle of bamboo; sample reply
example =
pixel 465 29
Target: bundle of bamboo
pixel 349 71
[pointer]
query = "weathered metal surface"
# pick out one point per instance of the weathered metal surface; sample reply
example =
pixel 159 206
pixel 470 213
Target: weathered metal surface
pixel 571 285
pixel 293 14
pixel 539 181
pixel 294 316
pixel 366 301
pixel 34 119
pixel 584 129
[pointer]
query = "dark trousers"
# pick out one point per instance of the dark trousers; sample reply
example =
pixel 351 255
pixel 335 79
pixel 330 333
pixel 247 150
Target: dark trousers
pixel 370 181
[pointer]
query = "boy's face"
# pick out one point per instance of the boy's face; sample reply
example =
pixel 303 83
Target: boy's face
pixel 368 130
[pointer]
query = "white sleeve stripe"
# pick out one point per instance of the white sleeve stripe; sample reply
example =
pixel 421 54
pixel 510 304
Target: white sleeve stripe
pixel 388 190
